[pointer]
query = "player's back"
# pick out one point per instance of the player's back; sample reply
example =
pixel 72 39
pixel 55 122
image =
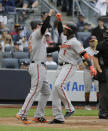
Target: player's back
pixel 38 52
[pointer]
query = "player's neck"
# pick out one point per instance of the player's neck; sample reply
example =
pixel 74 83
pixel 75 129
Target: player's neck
pixel 69 37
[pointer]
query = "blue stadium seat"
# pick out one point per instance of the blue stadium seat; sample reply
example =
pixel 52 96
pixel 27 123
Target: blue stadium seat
pixel 24 61
pixel 7 55
pixel 52 67
pixel 20 55
pixel 55 56
pixel 83 37
pixel 26 49
pixel 10 63
pixel 9 49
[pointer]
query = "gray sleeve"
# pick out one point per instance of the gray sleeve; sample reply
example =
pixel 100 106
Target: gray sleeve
pixel 38 34
pixel 77 46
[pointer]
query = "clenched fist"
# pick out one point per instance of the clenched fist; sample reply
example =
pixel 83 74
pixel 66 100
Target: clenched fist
pixel 93 72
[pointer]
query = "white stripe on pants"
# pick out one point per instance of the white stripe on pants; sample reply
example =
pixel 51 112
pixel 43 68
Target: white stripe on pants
pixel 38 85
pixel 65 73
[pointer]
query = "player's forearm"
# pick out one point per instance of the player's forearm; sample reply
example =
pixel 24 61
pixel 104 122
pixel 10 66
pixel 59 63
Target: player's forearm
pixel 45 25
pixel 60 27
pixel 86 58
pixel 52 49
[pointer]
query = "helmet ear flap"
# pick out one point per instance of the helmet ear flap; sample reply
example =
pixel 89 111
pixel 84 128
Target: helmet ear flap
pixel 73 29
pixel 34 23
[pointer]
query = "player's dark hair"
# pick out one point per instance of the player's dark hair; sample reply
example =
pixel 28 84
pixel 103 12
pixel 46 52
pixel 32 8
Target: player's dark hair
pixel 34 23
pixel 73 29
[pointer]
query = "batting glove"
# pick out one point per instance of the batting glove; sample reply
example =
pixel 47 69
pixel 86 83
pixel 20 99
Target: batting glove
pixel 59 17
pixel 93 72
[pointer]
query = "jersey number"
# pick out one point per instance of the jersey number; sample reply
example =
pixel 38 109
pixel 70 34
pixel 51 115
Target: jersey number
pixel 64 52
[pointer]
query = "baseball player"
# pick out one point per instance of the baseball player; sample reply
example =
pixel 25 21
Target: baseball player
pixel 37 71
pixel 66 70
pixel 91 50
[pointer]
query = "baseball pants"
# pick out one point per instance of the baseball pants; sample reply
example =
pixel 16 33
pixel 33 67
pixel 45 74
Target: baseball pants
pixel 89 82
pixel 38 85
pixel 64 74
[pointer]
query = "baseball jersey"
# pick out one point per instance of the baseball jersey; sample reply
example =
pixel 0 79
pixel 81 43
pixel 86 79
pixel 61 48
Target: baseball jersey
pixel 71 55
pixel 37 47
pixel 91 53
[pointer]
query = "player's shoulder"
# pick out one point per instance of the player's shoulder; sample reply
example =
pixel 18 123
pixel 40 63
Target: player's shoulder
pixel 74 40
pixel 87 49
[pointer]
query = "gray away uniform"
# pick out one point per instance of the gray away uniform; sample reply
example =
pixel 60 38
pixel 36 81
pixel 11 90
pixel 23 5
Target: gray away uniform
pixel 64 74
pixel 38 72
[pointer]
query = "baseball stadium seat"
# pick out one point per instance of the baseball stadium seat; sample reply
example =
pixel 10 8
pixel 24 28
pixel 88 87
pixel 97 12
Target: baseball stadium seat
pixel 26 49
pixel 83 36
pixel 10 63
pixel 24 61
pixel 9 49
pixel 7 55
pixel 20 55
pixel 52 67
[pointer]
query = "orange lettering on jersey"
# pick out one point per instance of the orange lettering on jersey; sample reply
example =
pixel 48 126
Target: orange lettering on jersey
pixel 64 52
pixel 30 47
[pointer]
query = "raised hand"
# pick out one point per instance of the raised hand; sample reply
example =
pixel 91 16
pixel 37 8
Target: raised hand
pixel 59 16
pixel 93 72
pixel 51 12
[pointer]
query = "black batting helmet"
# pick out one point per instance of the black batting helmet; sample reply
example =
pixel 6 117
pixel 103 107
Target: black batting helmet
pixel 72 29
pixel 34 23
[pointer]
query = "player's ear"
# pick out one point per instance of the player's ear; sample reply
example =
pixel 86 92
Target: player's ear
pixel 38 26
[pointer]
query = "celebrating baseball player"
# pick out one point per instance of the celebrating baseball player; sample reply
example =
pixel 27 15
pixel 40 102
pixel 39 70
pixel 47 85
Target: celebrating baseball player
pixel 68 55
pixel 37 71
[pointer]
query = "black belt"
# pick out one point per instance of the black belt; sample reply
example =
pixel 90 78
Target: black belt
pixel 64 63
pixel 40 62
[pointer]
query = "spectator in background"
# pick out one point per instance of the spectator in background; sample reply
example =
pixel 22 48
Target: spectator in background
pixel 19 46
pixel 2 10
pixel 59 3
pixel 93 2
pixel 80 23
pixel 47 40
pixel 19 3
pixel 2 26
pixel 67 6
pixel 101 5
pixel 7 42
pixel 50 60
pixel 87 27
pixel 16 33
pixel 9 5
pixel 4 33
pixel 99 30
pixel 30 3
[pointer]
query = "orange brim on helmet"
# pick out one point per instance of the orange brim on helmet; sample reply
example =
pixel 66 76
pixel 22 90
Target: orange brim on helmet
pixel 66 27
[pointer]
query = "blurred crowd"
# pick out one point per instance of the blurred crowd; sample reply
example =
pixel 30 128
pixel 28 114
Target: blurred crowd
pixel 15 38
pixel 10 5
pixel 68 5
